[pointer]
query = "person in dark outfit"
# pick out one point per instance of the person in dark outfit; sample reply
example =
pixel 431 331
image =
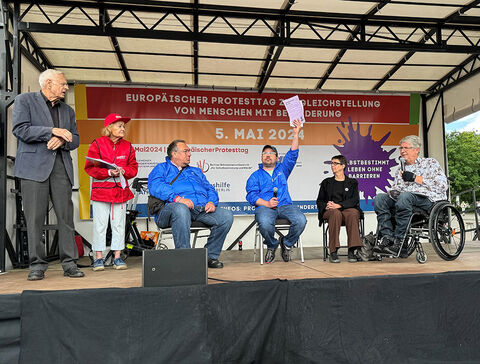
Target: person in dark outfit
pixel 338 202
pixel 46 133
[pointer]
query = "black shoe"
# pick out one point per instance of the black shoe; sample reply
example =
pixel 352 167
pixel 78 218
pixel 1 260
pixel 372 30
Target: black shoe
pixel 270 256
pixel 383 244
pixel 36 275
pixel 285 250
pixel 333 258
pixel 352 257
pixel 214 263
pixel 395 248
pixel 73 272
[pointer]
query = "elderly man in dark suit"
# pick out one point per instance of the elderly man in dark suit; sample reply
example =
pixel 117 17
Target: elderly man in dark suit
pixel 46 131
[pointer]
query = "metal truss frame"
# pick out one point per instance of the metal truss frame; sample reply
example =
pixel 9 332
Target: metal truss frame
pixel 452 18
pixel 468 68
pixel 9 88
pixel 369 31
pixel 374 32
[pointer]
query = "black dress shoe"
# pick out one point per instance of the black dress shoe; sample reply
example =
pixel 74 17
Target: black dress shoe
pixel 214 263
pixel 73 272
pixel 36 275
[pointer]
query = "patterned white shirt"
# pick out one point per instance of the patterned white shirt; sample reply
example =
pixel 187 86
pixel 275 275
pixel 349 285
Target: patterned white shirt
pixel 435 183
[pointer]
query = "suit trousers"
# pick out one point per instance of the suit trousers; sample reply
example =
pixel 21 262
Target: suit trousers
pixel 350 218
pixel 35 196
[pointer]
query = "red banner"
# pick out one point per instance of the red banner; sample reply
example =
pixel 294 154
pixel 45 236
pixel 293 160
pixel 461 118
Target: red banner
pixel 178 104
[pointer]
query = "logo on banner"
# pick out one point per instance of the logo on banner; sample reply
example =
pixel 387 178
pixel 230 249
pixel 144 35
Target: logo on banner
pixel 203 165
pixel 368 162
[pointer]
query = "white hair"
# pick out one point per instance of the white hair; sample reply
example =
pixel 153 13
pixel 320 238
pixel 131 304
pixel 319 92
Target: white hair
pixel 413 140
pixel 48 75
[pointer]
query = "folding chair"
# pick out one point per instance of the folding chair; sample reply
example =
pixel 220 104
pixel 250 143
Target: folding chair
pixel 361 226
pixel 280 225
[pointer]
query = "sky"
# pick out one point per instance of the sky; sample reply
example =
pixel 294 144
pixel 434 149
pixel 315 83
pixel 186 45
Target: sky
pixel 468 123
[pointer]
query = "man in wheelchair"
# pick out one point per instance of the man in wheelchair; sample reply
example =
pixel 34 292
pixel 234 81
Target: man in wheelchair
pixel 420 182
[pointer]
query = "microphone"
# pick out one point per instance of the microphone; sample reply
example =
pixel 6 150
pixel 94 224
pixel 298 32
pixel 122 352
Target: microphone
pixel 402 164
pixel 275 190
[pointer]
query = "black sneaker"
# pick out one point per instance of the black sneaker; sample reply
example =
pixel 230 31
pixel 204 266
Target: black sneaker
pixel 73 272
pixel 285 250
pixel 214 263
pixel 395 248
pixel 270 256
pixel 352 257
pixel 333 258
pixel 383 244
pixel 36 275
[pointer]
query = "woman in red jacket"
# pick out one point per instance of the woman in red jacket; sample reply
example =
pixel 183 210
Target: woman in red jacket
pixel 110 187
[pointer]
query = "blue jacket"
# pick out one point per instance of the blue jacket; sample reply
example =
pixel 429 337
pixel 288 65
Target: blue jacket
pixel 260 184
pixel 191 184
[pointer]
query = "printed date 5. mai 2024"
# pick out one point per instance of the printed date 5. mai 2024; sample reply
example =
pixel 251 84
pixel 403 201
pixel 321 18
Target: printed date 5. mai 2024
pixel 258 134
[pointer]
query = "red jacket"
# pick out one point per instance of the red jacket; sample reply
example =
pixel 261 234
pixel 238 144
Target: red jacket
pixel 104 187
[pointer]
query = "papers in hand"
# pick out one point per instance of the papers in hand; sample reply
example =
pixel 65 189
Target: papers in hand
pixel 295 109
pixel 104 164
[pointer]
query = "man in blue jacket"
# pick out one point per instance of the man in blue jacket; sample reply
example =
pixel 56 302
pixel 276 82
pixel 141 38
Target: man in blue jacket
pixel 267 189
pixel 188 197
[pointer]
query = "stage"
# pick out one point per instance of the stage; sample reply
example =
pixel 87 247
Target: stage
pixel 239 266
pixel 394 310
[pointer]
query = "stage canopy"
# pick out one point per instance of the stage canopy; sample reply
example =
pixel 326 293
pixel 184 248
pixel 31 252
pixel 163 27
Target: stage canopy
pixel 347 45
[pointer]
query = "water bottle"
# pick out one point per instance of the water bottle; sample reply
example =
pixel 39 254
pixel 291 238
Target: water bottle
pixel 240 245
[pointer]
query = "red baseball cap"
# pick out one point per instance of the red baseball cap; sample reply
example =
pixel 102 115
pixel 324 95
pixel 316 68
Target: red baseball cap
pixel 113 118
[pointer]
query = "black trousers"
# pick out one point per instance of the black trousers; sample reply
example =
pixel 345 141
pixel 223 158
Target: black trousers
pixel 35 196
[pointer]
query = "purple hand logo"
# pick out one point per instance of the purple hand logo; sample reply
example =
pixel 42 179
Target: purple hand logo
pixel 368 162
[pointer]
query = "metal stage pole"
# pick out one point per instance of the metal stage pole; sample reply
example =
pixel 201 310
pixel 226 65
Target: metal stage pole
pixel 9 88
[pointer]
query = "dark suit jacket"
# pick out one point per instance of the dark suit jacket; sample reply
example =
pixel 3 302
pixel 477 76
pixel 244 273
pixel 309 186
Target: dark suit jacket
pixel 350 199
pixel 32 125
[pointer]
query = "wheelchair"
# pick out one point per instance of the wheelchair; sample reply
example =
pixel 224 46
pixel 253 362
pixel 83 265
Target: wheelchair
pixel 442 225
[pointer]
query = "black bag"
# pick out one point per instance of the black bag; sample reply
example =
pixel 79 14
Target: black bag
pixel 366 252
pixel 155 204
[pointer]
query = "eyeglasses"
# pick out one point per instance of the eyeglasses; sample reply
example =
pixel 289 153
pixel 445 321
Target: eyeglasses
pixel 63 84
pixel 186 151
pixel 403 148
pixel 268 153
pixel 336 163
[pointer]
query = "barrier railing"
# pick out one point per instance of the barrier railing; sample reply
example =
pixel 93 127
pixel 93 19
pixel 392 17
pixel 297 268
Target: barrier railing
pixel 473 208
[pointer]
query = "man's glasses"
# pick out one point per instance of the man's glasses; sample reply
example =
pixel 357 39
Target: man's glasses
pixel 186 151
pixel 336 163
pixel 63 84
pixel 403 148
pixel 269 153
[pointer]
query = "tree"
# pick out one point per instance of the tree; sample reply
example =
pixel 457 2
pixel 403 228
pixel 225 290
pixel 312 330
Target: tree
pixel 463 151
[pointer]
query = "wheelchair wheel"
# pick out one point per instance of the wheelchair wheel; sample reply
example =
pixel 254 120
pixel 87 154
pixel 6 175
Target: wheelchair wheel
pixel 447 231
pixel 421 257
pixel 161 246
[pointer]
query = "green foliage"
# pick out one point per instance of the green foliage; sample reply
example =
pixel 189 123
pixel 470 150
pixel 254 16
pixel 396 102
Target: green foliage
pixel 463 150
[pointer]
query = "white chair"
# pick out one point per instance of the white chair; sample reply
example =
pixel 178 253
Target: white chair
pixel 280 225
